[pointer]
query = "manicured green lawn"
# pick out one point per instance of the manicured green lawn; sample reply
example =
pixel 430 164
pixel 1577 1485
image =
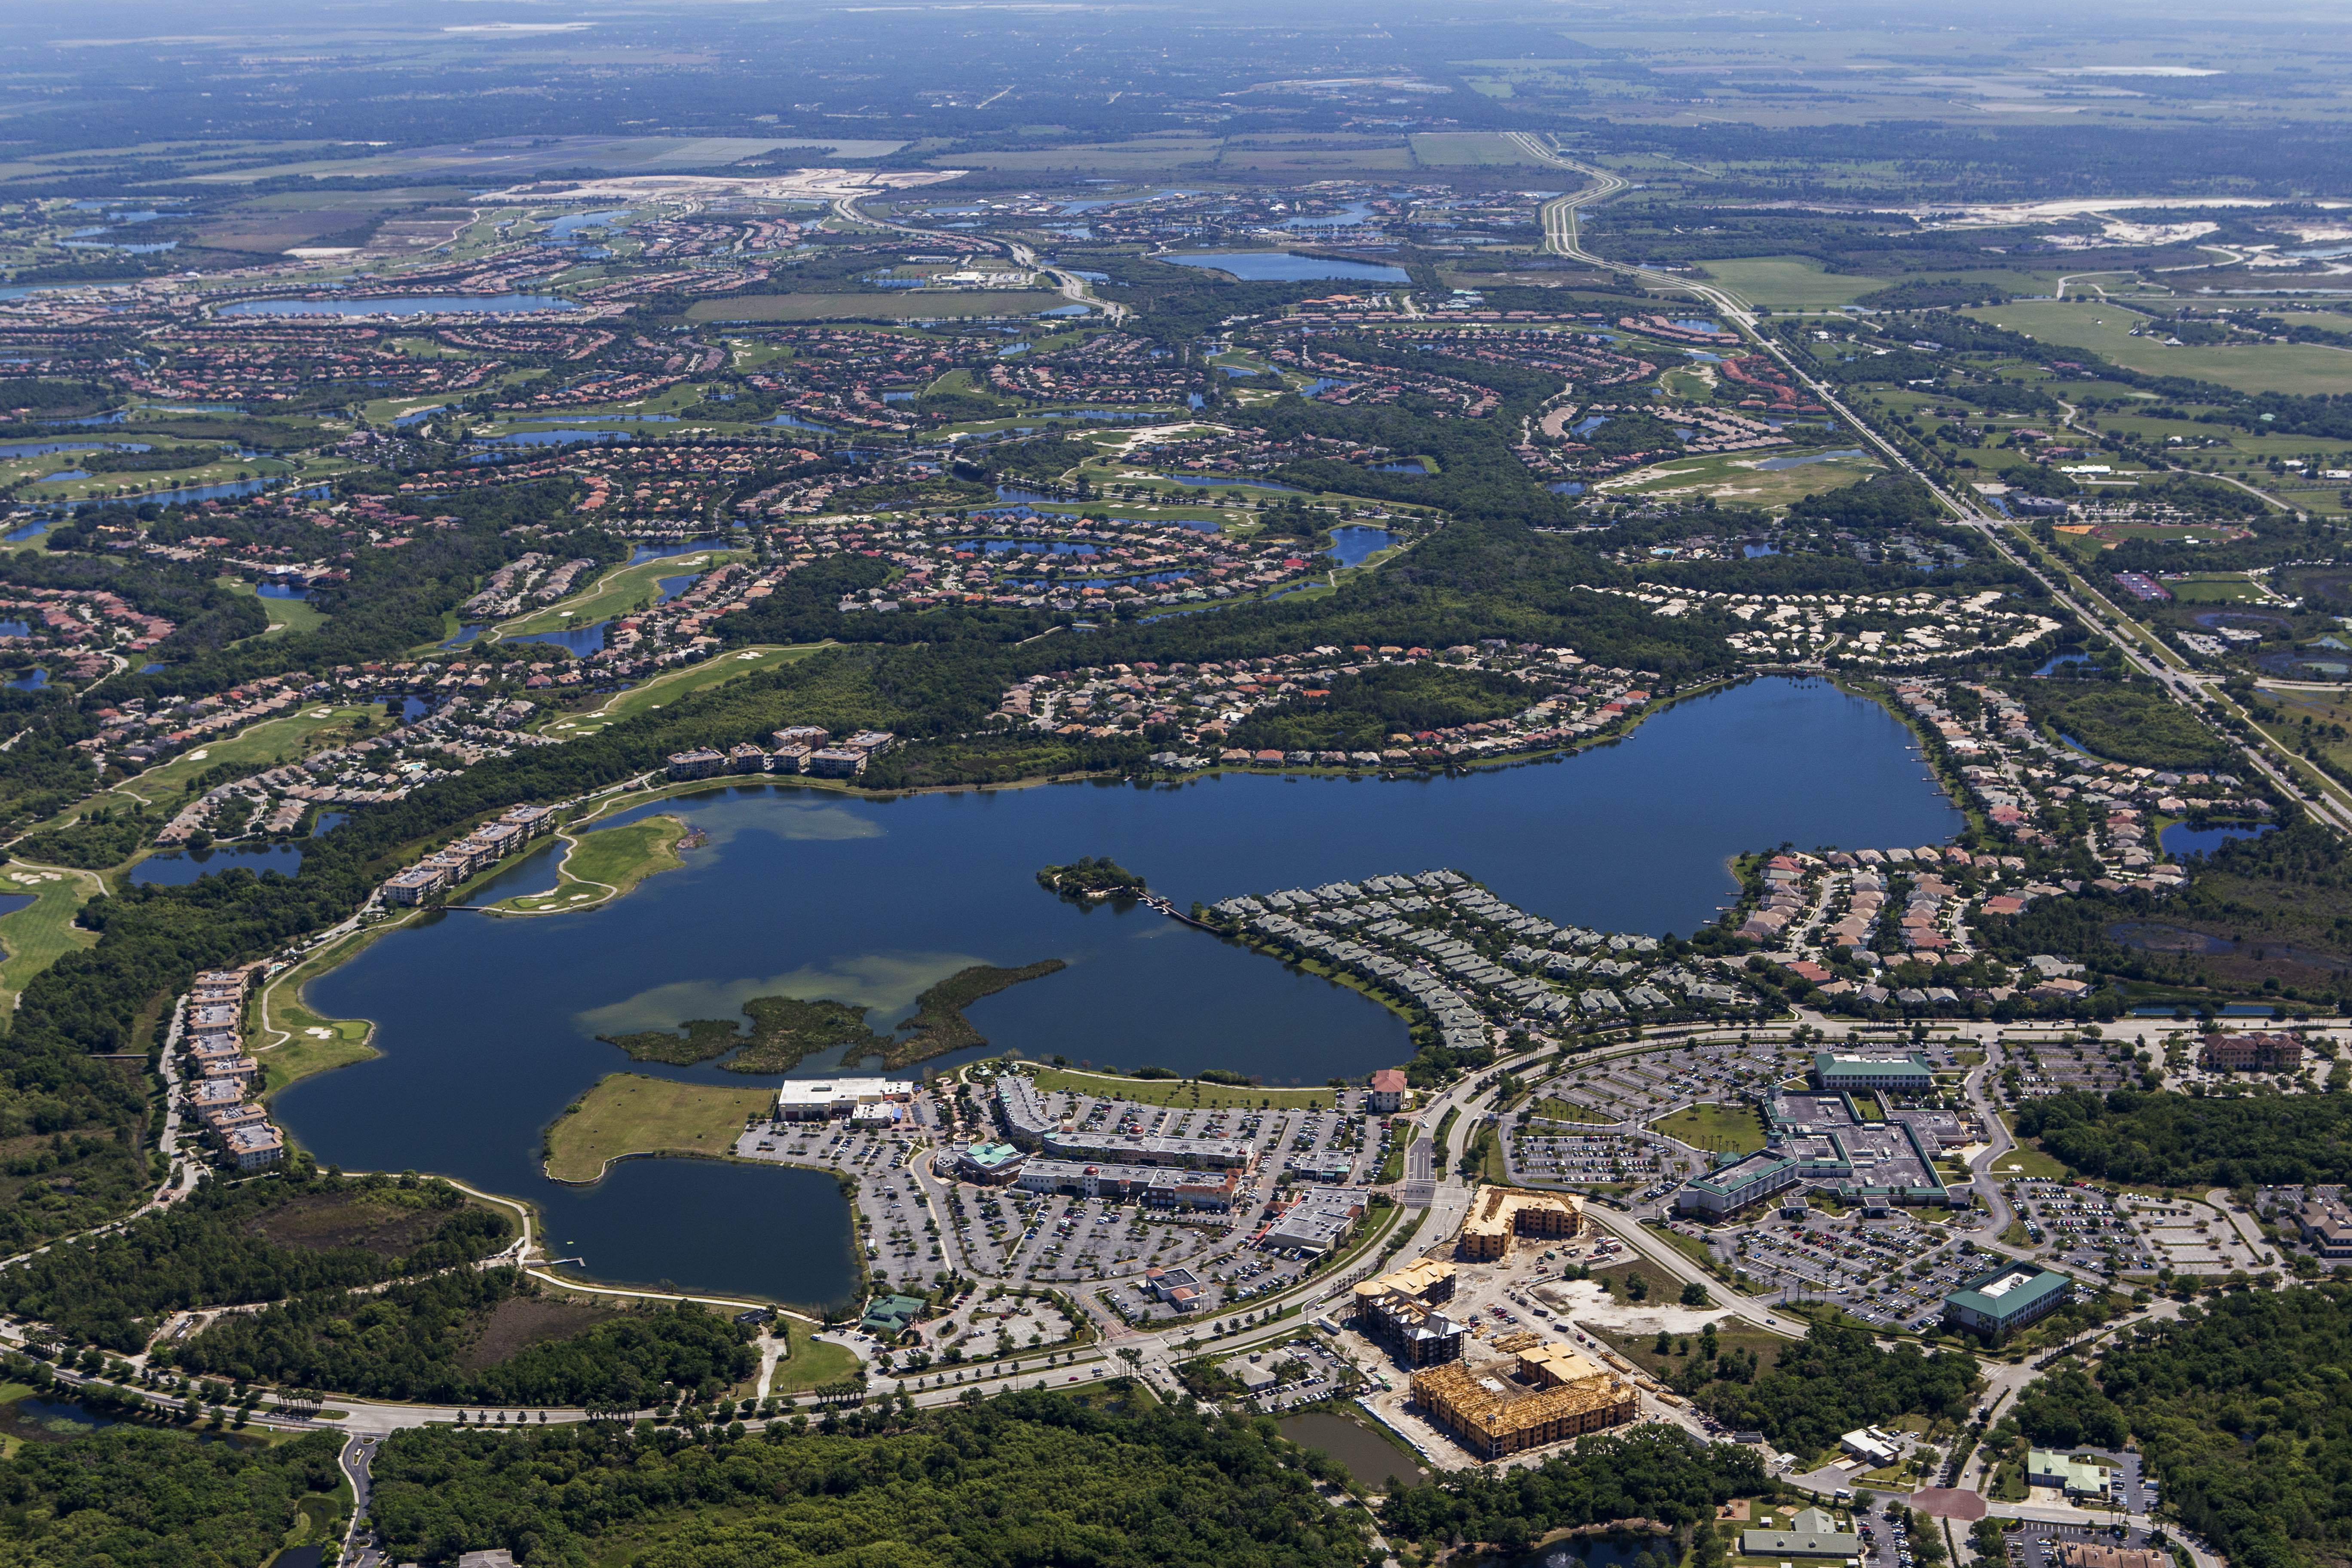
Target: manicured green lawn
pixel 285 615
pixel 810 1363
pixel 43 931
pixel 664 689
pixel 616 593
pixel 600 866
pixel 279 740
pixel 1725 1127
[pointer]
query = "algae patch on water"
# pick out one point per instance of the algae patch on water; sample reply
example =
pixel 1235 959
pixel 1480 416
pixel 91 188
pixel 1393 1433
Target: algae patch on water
pixel 784 1031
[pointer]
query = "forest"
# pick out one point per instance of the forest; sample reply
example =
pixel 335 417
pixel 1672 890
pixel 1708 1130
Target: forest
pixel 2240 1407
pixel 256 1241
pixel 1653 1471
pixel 1026 1478
pixel 432 1339
pixel 1835 1380
pixel 2178 1140
pixel 128 1498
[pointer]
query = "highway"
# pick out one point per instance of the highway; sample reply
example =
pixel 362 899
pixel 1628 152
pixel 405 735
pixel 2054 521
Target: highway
pixel 2182 685
pixel 1066 283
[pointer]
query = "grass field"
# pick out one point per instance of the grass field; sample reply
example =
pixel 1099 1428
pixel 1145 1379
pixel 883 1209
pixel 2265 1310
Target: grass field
pixel 285 615
pixel 1184 1094
pixel 600 866
pixel 292 1041
pixel 1641 1349
pixel 43 931
pixel 279 740
pixel 2025 1159
pixel 2215 588
pixel 1463 149
pixel 2105 330
pixel 809 1363
pixel 903 306
pixel 1718 1127
pixel 1731 477
pixel 628 1113
pixel 616 594
pixel 664 689
pixel 1790 282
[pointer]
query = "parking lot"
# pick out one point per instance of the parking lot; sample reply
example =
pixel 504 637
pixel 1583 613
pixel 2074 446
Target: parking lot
pixel 1892 1271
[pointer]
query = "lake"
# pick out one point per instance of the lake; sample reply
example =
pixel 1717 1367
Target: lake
pixel 174 868
pixel 404 305
pixel 644 552
pixel 488 1026
pixel 580 641
pixel 1372 1460
pixel 1283 266
pixel 1353 543
pixel 2179 839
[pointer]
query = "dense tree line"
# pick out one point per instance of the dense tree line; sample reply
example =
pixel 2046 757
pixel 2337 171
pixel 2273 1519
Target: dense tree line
pixel 2175 1140
pixel 2240 1410
pixel 417 1341
pixel 1654 1471
pixel 1835 1380
pixel 1026 1478
pixel 1362 711
pixel 217 1248
pixel 131 1499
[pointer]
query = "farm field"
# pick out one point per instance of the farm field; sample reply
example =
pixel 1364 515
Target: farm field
pixel 1468 149
pixel 1791 282
pixel 2105 330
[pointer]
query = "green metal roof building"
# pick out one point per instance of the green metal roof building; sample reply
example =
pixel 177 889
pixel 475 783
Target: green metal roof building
pixel 1904 1074
pixel 2006 1298
pixel 1728 1188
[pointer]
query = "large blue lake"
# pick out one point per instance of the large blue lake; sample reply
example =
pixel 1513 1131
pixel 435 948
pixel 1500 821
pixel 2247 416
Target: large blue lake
pixel 489 1026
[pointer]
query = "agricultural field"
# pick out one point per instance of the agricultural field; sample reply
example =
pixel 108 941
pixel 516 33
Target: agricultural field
pixel 1791 282
pixel 1469 149
pixel 2107 330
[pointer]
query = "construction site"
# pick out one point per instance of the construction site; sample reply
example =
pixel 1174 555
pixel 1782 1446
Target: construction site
pixel 1519 1390
pixel 1535 1395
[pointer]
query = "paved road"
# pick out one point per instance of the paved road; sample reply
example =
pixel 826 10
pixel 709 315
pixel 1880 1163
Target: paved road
pixel 1420 1177
pixel 2182 685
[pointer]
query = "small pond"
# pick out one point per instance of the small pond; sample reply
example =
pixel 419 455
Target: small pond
pixel 176 867
pixel 1284 267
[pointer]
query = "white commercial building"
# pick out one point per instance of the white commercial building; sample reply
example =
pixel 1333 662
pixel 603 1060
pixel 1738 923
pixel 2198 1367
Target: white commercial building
pixel 822 1099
